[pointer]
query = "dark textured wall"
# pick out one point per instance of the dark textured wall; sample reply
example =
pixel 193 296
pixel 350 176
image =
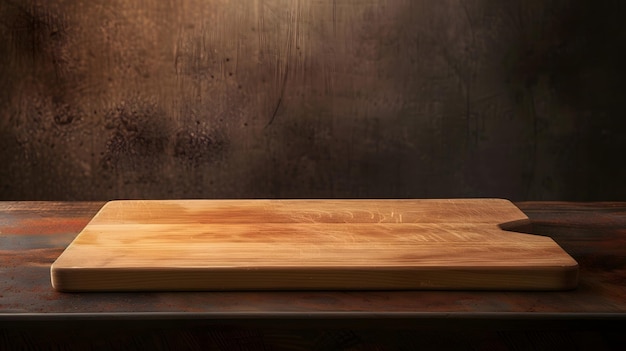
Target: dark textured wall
pixel 112 99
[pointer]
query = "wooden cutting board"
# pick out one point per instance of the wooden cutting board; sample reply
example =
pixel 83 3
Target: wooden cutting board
pixel 310 244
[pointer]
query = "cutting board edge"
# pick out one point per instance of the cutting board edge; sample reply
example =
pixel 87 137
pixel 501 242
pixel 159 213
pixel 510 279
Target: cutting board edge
pixel 548 278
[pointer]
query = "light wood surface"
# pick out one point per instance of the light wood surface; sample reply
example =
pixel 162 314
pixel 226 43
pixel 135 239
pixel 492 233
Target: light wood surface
pixel 310 244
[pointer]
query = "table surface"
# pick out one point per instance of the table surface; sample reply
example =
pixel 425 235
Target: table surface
pixel 33 235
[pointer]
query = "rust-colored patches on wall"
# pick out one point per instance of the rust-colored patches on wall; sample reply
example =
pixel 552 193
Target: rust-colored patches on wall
pixel 139 130
pixel 136 140
pixel 197 148
pixel 146 148
pixel 277 98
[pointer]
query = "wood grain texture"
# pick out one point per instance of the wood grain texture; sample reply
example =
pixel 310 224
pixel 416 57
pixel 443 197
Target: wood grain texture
pixel 310 244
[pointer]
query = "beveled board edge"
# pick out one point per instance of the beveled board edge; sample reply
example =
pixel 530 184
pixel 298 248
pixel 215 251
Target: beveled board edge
pixel 293 278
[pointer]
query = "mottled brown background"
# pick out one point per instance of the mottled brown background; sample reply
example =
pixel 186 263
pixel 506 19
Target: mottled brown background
pixel 112 99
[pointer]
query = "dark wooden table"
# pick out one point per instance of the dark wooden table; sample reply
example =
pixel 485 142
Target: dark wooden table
pixel 33 235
